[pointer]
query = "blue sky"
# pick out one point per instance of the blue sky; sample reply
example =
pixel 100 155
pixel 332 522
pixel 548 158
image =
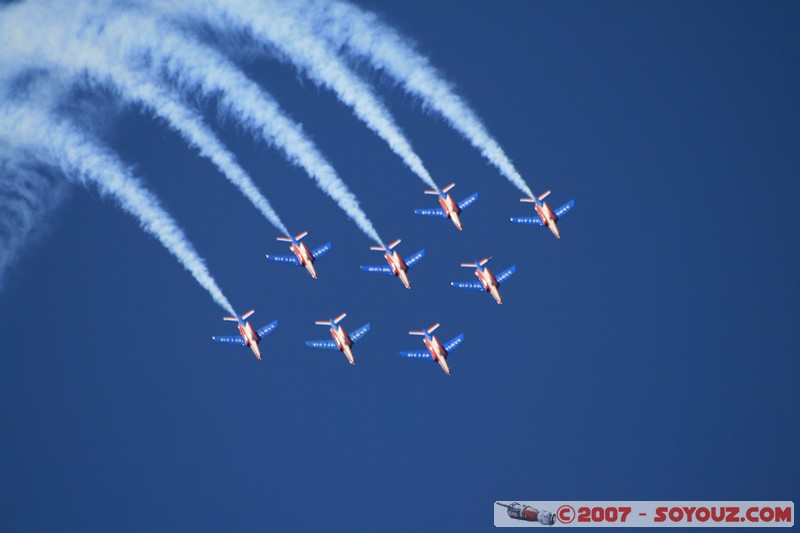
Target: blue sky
pixel 651 353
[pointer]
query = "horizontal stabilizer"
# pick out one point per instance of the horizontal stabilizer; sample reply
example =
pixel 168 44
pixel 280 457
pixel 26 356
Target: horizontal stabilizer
pixel 433 328
pixel 469 265
pixel 544 195
pixel 468 201
pixel 284 239
pixel 394 244
pixel 414 259
pixel 534 221
pixel 378 269
pixel 453 343
pixel 300 236
pixel 323 322
pixel 432 192
pixel 527 200
pixel 323 345
pixel 266 330
pixel 447 189
pixel 432 212
pixel 505 274
pixel 288 259
pixel 358 334
pixel 230 340
pixel 484 261
pixel 471 285
pixel 564 209
pixel 416 355
pixel 339 318
pixel 247 314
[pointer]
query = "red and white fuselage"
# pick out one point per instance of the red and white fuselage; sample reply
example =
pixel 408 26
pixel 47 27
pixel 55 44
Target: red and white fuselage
pixel 250 337
pixel 300 250
pixel 548 217
pixel 437 351
pixel 343 342
pixel 451 209
pixel 398 266
pixel 489 283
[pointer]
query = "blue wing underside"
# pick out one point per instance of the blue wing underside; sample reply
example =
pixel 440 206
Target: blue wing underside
pixel 323 345
pixel 230 340
pixel 288 259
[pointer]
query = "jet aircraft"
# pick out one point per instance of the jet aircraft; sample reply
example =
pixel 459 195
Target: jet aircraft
pixel 396 267
pixel 436 351
pixel 547 217
pixel 449 208
pixel 302 256
pixel 247 335
pixel 486 280
pixel 341 340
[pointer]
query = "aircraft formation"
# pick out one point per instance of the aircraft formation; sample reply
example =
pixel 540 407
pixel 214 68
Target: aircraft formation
pixel 398 266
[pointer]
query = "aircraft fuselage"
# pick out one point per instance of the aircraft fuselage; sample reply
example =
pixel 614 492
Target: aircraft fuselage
pixel 548 217
pixel 250 337
pixel 304 257
pixel 399 267
pixel 489 283
pixel 438 352
pixel 451 209
pixel 343 342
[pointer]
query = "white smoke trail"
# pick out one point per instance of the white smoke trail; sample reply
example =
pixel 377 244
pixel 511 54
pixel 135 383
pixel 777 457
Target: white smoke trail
pixel 27 196
pixel 51 36
pixel 62 145
pixel 364 35
pixel 200 68
pixel 275 23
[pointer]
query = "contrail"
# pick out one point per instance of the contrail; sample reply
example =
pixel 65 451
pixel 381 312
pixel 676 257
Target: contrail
pixel 50 37
pixel 276 24
pixel 362 34
pixel 83 160
pixel 199 68
pixel 26 197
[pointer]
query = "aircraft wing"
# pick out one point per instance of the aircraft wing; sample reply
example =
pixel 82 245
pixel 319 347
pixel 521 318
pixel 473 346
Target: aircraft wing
pixel 437 212
pixel 468 201
pixel 292 260
pixel 414 259
pixel 505 274
pixel 322 250
pixel 417 355
pixel 453 343
pixel 324 345
pixel 378 269
pixel 561 211
pixel 473 285
pixel 266 330
pixel 230 340
pixel 536 221
pixel 358 334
